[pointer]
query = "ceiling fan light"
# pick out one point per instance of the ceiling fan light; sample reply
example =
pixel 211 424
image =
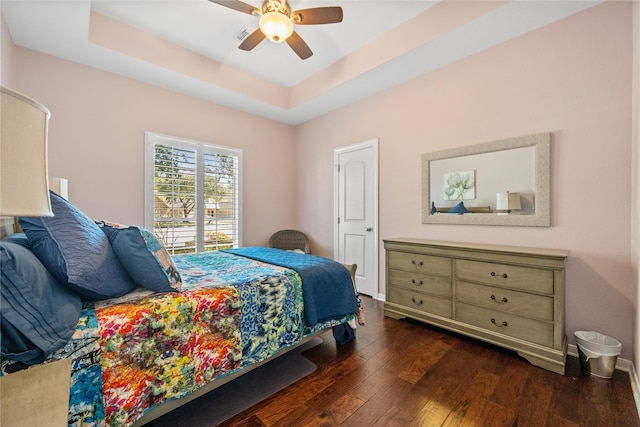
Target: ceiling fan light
pixel 276 26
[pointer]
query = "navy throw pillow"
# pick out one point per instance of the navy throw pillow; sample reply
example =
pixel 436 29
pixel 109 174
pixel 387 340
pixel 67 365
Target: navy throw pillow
pixel 143 256
pixel 76 252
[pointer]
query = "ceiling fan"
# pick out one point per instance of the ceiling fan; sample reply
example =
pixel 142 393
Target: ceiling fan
pixel 277 20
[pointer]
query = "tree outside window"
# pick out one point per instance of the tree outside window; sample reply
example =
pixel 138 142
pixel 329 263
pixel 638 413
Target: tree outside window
pixel 195 194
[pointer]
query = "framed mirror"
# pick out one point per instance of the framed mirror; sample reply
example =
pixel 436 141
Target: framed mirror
pixel 504 182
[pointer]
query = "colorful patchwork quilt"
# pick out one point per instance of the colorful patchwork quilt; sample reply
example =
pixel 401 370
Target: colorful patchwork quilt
pixel 131 354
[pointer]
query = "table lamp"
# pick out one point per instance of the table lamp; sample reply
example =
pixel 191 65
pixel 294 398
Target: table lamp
pixel 508 201
pixel 40 395
pixel 24 184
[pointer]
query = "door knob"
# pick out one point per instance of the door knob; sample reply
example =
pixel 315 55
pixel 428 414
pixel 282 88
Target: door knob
pixel 368 229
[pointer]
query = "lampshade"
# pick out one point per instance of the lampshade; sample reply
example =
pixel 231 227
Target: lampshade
pixel 60 186
pixel 276 26
pixel 508 201
pixel 24 187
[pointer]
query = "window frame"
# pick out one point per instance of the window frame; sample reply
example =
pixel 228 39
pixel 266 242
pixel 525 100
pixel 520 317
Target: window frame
pixel 151 139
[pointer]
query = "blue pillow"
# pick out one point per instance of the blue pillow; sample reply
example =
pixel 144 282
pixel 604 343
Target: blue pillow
pixel 18 238
pixel 76 252
pixel 458 209
pixel 39 315
pixel 143 256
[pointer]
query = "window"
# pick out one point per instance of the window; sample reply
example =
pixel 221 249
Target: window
pixel 192 194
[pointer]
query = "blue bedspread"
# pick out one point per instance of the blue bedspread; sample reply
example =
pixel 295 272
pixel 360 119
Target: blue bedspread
pixel 327 288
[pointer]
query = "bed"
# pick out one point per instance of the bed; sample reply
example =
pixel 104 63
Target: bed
pixel 140 353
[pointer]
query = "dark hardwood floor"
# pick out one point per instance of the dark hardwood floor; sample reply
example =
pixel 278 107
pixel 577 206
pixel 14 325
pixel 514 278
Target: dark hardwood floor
pixel 404 373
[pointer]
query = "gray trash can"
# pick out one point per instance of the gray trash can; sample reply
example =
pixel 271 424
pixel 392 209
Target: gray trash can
pixel 598 353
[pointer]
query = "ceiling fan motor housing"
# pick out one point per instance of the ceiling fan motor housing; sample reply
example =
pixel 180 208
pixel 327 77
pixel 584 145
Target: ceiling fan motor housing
pixel 276 6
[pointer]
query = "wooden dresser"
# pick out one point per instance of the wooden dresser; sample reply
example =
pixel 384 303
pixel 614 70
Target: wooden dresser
pixel 509 296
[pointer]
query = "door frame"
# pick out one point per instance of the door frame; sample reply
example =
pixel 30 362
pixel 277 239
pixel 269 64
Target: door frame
pixel 371 143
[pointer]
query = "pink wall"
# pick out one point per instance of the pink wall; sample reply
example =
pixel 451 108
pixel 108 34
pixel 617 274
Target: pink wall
pixel 96 140
pixel 572 78
pixel 7 53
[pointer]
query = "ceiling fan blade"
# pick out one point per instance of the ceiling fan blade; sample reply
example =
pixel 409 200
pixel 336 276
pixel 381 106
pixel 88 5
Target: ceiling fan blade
pixel 237 5
pixel 252 40
pixel 317 15
pixel 299 46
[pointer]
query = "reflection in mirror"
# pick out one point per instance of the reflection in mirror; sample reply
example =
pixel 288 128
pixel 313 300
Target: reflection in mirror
pixel 473 176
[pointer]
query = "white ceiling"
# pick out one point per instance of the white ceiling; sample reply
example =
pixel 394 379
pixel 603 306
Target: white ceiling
pixel 61 28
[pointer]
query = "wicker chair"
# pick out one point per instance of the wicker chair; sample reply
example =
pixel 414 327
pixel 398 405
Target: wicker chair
pixel 290 240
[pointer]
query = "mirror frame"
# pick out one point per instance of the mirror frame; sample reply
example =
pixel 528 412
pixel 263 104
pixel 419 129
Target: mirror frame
pixel 542 216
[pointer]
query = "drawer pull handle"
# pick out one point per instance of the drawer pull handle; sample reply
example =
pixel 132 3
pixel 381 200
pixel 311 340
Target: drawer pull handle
pixel 503 325
pixel 504 275
pixel 503 300
pixel 420 283
pixel 414 262
pixel 417 302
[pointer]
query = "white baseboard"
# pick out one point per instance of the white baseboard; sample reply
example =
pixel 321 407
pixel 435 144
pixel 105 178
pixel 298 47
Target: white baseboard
pixel 380 297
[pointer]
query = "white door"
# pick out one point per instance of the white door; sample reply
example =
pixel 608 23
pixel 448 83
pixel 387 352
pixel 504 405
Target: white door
pixel 356 212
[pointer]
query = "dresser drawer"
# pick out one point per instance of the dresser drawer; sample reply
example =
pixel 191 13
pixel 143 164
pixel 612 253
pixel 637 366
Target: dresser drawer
pixel 419 301
pixel 440 266
pixel 504 275
pixel 520 303
pixel 504 323
pixel 421 282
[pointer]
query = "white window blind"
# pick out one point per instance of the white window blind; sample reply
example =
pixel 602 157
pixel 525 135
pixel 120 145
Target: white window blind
pixel 192 194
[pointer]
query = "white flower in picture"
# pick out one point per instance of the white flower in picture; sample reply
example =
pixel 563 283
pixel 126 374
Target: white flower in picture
pixel 460 185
